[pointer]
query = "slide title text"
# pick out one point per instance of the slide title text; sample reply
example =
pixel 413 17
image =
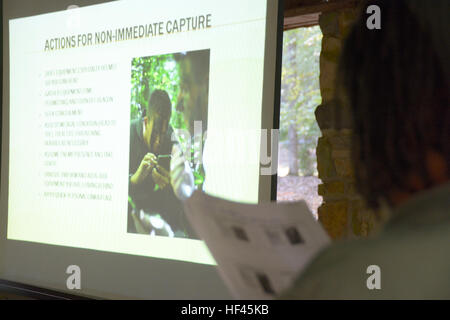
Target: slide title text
pixel 186 24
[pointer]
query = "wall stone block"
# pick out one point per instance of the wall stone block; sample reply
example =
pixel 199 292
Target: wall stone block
pixel 325 164
pixel 342 214
pixel 334 218
pixel 329 24
pixel 332 188
pixel 344 167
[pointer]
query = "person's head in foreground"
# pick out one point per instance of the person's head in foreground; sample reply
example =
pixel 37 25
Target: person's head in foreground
pixel 156 121
pixel 395 82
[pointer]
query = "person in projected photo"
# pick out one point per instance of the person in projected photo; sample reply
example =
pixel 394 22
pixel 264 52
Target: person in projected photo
pixel 194 86
pixel 153 208
pixel 193 104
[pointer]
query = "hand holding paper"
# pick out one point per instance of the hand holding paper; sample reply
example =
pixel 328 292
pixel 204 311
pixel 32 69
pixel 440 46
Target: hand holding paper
pixel 259 249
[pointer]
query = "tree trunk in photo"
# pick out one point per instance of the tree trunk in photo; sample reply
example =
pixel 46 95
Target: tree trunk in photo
pixel 292 148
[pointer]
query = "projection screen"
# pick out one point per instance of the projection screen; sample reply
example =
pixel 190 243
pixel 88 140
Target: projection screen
pixel 95 95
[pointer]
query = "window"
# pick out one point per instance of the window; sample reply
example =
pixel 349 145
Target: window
pixel 299 131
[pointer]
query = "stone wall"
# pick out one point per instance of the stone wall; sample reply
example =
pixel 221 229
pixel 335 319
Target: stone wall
pixel 342 212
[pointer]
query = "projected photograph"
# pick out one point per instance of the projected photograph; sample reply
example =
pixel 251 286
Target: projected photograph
pixel 169 98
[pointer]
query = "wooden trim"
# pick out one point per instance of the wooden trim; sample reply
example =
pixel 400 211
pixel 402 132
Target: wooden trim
pixel 306 20
pixel 308 15
pixel 320 7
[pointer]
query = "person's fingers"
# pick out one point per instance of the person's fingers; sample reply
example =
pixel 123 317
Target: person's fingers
pixel 162 171
pixel 145 169
pixel 149 162
pixel 151 158
pixel 146 165
pixel 160 179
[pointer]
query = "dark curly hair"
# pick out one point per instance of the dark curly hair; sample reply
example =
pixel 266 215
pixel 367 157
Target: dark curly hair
pixel 396 83
pixel 159 103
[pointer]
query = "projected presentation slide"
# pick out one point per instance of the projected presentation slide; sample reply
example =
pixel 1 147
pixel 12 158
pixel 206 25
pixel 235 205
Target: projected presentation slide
pixel 99 95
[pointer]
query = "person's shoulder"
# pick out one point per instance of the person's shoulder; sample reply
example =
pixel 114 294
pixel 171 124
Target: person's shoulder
pixel 411 265
pixel 330 273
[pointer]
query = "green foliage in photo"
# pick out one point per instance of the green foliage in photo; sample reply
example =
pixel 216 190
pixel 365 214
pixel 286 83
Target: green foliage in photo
pixel 151 73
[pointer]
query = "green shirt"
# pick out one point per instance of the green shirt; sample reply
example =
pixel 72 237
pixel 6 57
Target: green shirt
pixel 412 251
